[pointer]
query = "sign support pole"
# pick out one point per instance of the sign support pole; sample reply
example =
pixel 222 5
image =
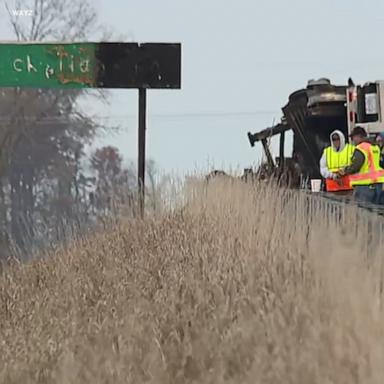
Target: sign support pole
pixel 141 148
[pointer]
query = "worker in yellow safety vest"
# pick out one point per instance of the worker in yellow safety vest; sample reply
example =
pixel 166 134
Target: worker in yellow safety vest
pixel 366 175
pixel 335 157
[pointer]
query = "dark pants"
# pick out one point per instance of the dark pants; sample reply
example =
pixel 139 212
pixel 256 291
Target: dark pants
pixel 372 194
pixel 380 194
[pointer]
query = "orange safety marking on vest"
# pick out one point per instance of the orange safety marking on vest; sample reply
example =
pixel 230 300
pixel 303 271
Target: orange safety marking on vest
pixel 372 174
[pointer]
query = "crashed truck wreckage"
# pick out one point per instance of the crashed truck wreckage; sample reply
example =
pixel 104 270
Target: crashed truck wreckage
pixel 312 114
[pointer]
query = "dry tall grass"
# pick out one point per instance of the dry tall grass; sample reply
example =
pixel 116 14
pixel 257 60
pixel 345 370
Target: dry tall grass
pixel 245 285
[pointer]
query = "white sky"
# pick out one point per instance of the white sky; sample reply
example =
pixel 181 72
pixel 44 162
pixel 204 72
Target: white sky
pixel 240 61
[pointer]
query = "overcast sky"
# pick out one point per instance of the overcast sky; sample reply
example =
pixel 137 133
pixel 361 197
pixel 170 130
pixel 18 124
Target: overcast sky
pixel 240 61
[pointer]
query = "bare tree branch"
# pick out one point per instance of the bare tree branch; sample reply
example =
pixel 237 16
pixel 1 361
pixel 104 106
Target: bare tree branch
pixel 34 17
pixel 15 25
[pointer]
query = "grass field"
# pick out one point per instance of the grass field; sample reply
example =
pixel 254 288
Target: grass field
pixel 245 284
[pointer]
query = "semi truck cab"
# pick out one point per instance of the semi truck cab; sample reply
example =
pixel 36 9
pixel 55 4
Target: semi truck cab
pixel 365 107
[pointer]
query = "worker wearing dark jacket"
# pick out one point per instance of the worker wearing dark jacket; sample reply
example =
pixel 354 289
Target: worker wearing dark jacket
pixel 366 175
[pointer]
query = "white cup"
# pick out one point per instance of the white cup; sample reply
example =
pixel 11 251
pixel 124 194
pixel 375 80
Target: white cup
pixel 315 185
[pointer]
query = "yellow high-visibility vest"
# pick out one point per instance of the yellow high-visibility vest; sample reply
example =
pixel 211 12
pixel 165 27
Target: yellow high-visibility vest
pixel 338 160
pixel 370 172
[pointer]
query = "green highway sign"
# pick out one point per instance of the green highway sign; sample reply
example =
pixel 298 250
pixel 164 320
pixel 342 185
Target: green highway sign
pixel 90 65
pixel 47 65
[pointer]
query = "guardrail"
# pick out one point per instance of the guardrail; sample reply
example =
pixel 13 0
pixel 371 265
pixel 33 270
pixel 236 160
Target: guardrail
pixel 347 199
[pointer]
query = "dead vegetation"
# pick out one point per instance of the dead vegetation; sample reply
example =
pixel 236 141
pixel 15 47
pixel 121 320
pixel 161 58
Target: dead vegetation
pixel 246 284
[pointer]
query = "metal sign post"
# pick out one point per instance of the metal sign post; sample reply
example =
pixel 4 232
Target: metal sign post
pixel 141 148
pixel 95 65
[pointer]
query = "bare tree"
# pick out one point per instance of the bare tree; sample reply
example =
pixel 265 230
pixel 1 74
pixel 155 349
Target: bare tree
pixel 58 20
pixel 43 132
pixel 112 185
